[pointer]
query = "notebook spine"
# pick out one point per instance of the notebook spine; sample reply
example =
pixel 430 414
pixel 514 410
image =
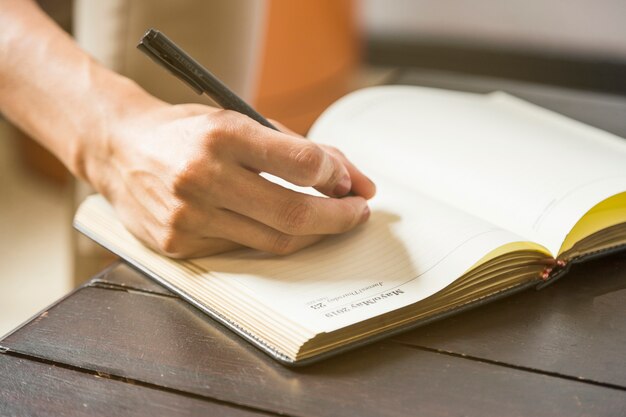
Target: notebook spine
pixel 562 266
pixel 553 269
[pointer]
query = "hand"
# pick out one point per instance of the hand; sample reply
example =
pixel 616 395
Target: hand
pixel 185 180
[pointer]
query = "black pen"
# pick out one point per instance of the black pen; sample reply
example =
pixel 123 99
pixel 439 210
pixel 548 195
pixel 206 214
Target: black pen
pixel 169 55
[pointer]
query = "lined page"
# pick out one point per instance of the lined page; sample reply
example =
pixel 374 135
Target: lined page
pixel 522 167
pixel 411 248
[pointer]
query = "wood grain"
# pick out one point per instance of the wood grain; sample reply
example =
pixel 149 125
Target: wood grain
pixel 29 388
pixel 576 327
pixel 122 276
pixel 163 341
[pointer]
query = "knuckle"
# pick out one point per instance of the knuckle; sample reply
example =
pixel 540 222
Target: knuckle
pixel 176 218
pixel 214 142
pixel 171 244
pixel 282 244
pixel 310 160
pixel 219 128
pixel 199 173
pixel 295 217
pixel 183 178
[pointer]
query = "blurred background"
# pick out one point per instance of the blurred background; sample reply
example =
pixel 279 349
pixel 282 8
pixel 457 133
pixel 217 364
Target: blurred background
pixel 291 59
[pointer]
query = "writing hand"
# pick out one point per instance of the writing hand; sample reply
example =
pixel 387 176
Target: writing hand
pixel 185 180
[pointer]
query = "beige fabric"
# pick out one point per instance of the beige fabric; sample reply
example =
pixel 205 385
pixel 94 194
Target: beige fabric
pixel 224 35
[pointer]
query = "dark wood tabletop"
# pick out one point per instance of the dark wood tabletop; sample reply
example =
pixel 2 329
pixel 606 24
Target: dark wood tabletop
pixel 123 345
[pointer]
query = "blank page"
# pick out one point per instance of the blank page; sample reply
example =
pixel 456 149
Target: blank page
pixel 512 163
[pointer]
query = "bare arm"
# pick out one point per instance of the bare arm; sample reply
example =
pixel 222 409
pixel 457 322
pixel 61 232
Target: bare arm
pixel 183 178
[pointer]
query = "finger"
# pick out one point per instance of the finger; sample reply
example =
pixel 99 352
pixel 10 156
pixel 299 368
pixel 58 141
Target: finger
pixel 248 232
pixel 361 184
pixel 178 243
pixel 291 212
pixel 197 231
pixel 298 161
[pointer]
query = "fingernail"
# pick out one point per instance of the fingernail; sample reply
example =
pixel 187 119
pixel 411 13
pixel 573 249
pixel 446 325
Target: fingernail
pixel 366 214
pixel 343 187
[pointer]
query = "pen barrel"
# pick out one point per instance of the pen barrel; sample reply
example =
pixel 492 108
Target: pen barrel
pixel 230 101
pixel 169 55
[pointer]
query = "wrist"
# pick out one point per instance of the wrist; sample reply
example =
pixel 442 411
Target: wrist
pixel 116 101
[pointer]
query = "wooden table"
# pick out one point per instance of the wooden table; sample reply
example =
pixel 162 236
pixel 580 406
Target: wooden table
pixel 123 345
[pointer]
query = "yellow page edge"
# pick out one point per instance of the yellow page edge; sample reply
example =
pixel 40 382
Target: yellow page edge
pixel 607 213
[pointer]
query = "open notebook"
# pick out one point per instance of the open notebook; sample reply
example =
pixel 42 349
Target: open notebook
pixel 478 196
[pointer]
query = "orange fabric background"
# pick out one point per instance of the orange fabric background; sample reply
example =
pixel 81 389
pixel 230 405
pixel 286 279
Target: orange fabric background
pixel 312 48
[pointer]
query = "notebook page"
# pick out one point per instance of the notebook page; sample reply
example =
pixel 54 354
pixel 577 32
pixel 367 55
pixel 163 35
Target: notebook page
pixel 522 167
pixel 395 259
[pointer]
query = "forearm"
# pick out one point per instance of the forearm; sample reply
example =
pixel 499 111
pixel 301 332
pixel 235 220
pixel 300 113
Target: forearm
pixel 56 92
